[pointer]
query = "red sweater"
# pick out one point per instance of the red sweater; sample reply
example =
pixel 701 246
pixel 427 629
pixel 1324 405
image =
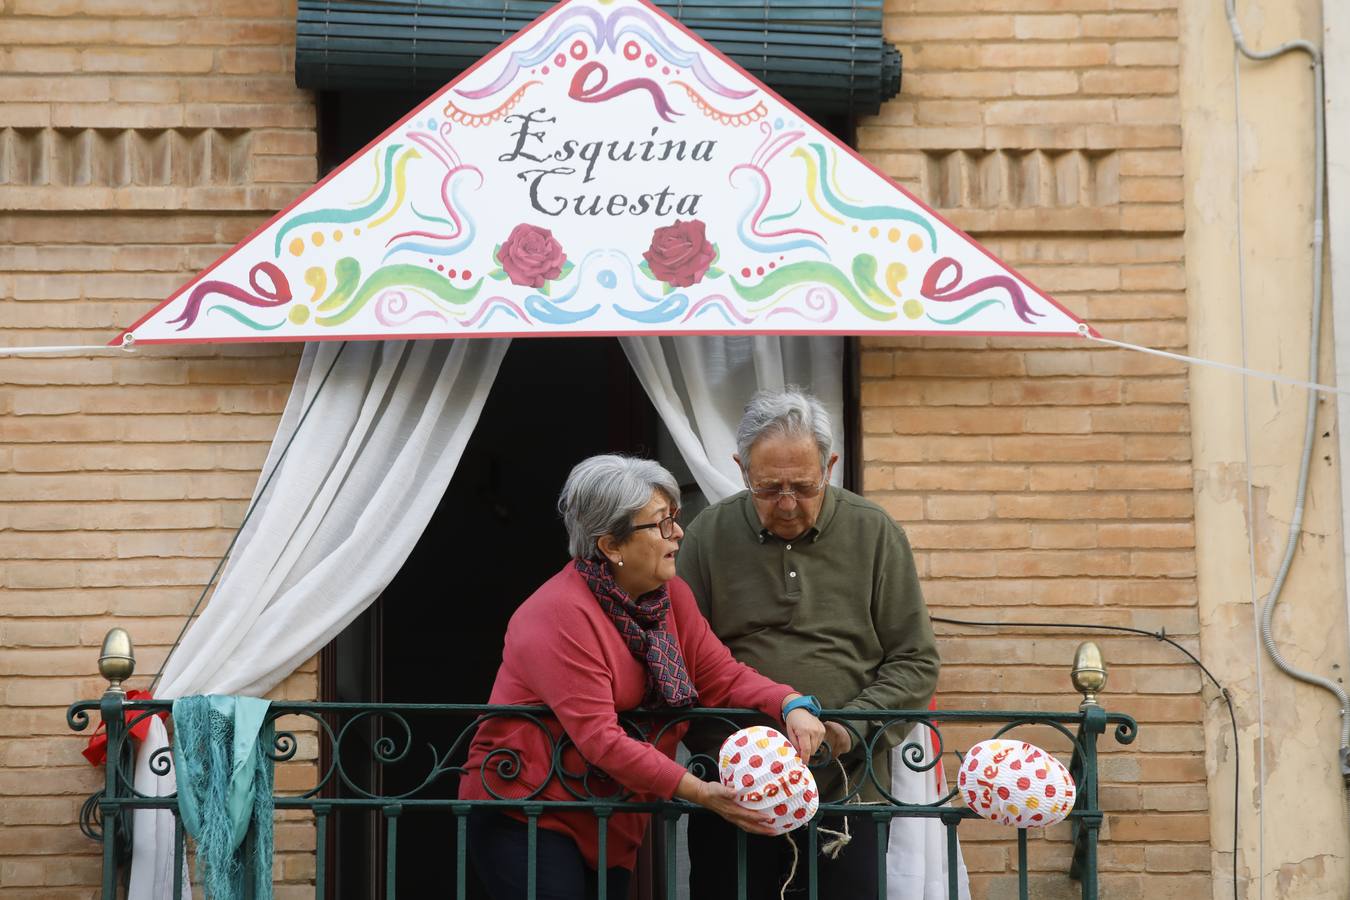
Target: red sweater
pixel 563 652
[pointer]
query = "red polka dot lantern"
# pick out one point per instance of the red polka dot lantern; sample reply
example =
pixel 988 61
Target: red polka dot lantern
pixel 1016 783
pixel 768 775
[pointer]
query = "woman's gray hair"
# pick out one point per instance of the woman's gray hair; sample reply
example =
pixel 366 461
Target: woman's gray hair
pixel 603 493
pixel 791 412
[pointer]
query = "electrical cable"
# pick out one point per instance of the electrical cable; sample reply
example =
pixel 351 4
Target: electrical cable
pixel 247 514
pixel 1267 632
pixel 1310 420
pixel 1159 635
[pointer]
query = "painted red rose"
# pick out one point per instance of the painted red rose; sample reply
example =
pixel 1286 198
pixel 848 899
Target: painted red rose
pixel 680 254
pixel 530 256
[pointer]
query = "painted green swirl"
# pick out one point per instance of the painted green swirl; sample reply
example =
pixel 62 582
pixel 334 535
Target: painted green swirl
pixel 341 216
pixel 240 317
pixel 865 275
pixel 866 213
pixel 813 272
pixel 348 272
pixel 978 307
pixel 433 283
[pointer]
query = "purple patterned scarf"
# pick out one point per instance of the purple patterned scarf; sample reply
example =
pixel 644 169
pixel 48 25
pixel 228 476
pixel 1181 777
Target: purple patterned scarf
pixel 641 622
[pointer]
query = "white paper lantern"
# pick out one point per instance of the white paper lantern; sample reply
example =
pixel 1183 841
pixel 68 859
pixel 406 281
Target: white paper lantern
pixel 1016 783
pixel 768 775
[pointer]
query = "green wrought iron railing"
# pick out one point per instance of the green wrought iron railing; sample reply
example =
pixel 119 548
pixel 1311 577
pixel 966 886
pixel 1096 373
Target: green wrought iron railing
pixel 356 740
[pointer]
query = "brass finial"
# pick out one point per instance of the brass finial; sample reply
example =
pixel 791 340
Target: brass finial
pixel 117 659
pixel 1089 672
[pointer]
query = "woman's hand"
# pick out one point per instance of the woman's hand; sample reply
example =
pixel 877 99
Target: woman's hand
pixel 719 798
pixel 805 732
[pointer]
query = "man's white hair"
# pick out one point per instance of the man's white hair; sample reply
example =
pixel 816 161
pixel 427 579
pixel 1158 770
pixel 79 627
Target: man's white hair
pixel 790 412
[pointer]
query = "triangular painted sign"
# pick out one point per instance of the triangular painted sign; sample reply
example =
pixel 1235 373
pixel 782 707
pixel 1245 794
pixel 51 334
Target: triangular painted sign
pixel 606 172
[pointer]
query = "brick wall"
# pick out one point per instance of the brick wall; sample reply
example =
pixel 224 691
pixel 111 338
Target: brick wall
pixel 139 139
pixel 1050 480
pixel 1040 480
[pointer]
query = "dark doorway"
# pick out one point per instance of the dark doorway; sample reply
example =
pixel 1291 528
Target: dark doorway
pixel 435 635
pixel 497 535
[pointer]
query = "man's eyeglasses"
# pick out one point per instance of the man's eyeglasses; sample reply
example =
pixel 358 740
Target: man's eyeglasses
pixel 667 525
pixel 797 491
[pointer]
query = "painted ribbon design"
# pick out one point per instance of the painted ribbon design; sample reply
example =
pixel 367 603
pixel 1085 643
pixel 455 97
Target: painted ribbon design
pixel 824 274
pixel 576 21
pixel 669 308
pixel 348 216
pixel 394 303
pixel 632 20
pixel 820 301
pixel 951 291
pixel 433 284
pixel 551 313
pixel 720 303
pixel 490 306
pixel 598 94
pixel 279 294
pixel 820 177
pixel 606 31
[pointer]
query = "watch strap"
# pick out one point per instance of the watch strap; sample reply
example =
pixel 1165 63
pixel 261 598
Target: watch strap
pixel 805 701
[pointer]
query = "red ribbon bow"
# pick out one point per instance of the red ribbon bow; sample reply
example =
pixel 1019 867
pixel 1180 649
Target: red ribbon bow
pixel 939 777
pixel 97 750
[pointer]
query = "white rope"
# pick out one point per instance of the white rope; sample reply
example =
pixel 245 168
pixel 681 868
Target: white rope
pixel 128 345
pixel 831 848
pixel 1228 367
pixel 77 348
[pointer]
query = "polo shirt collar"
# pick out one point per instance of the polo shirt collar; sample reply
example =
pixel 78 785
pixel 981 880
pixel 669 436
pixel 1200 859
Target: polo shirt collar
pixel 814 533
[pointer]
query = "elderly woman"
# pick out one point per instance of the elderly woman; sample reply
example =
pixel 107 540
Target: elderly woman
pixel 614 631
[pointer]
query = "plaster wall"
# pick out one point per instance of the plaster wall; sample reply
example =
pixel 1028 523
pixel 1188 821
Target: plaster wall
pixel 1336 47
pixel 1248 185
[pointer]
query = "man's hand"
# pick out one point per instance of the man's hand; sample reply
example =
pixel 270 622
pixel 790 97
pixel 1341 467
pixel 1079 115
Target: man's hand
pixel 838 738
pixel 804 731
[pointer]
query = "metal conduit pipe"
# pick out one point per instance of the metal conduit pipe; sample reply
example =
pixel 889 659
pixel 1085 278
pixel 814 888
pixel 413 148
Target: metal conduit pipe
pixel 1310 424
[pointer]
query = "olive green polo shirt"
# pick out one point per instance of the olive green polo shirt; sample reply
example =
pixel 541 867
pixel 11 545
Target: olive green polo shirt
pixel 836 612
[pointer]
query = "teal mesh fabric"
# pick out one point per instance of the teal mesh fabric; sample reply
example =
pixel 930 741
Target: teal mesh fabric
pixel 224 774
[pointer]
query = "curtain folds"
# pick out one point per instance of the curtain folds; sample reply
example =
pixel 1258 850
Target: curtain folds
pixel 355 491
pixel 916 857
pixel 699 386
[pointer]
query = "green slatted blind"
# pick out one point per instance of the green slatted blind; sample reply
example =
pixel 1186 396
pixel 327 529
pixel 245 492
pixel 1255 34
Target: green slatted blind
pixel 825 56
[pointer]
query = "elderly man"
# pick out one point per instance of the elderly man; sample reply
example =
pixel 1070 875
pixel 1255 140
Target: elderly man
pixel 811 584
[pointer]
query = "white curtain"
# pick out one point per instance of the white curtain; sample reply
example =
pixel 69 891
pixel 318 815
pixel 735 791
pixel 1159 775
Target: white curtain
pixel 351 498
pixel 916 861
pixel 699 386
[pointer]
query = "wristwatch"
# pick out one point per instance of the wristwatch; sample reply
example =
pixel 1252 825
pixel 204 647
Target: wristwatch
pixel 807 702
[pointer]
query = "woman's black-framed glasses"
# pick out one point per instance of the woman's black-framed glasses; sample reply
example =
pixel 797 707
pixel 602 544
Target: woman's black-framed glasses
pixel 667 525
